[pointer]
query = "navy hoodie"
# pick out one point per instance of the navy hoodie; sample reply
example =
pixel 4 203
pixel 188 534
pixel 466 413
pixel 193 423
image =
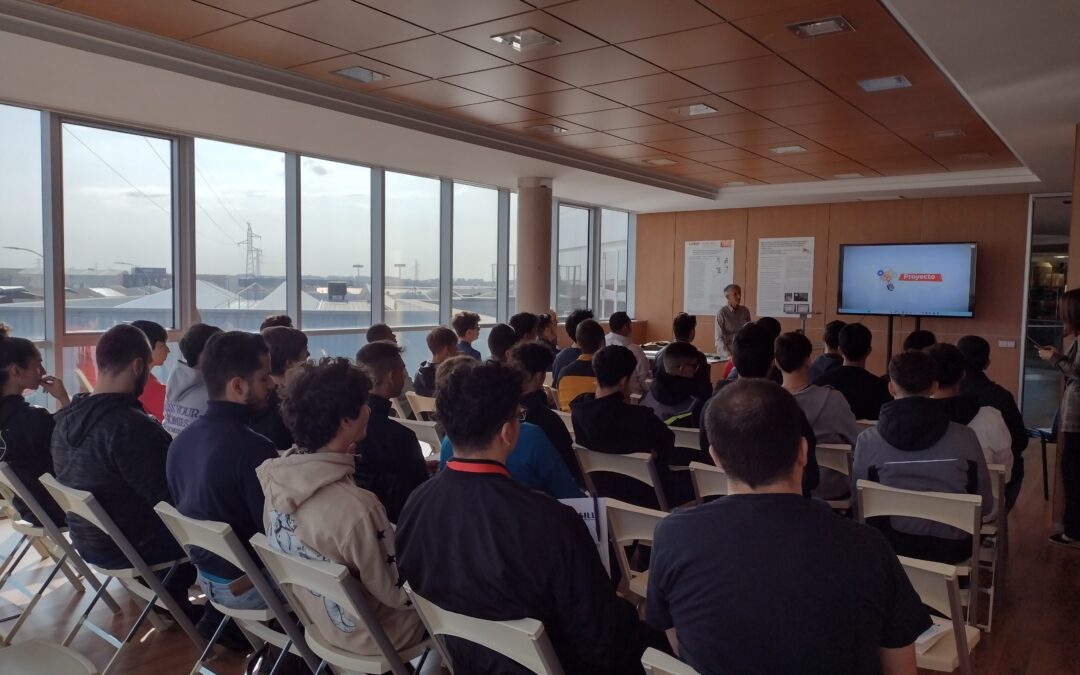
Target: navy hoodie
pixel 25 434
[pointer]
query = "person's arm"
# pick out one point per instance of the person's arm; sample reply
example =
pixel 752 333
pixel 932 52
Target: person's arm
pixel 899 661
pixel 369 553
pixel 248 483
pixel 138 448
pixel 1014 421
pixel 551 470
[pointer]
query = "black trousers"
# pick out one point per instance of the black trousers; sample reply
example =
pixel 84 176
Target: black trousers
pixel 1070 476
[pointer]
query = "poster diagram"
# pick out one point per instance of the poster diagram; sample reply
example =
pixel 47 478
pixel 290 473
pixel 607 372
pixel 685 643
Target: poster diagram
pixel 785 276
pixel 708 268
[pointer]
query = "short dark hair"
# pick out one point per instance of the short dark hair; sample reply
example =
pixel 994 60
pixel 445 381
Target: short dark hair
pixel 770 324
pixel 532 357
pixel 832 333
pixel 464 322
pixel 229 355
pixel 542 322
pixel 754 427
pixel 154 331
pixel 450 365
pixel 318 396
pixel 380 331
pixel 913 372
pixel 678 354
pixel 286 344
pixel 573 319
pixel 524 324
pixel 950 363
pixel 501 338
pixel 474 400
pixel 919 339
pixel 791 351
pixel 683 326
pixel 612 364
pixel 119 346
pixel 380 358
pixel 590 336
pixel 276 320
pixel 976 351
pixel 855 340
pixel 752 350
pixel 618 321
pixel 194 341
pixel 440 338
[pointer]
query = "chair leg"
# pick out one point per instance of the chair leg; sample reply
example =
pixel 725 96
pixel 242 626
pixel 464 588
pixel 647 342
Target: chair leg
pixel 42 549
pixel 210 645
pixel 281 657
pixel 130 634
pixel 25 614
pixel 86 612
pixel 13 560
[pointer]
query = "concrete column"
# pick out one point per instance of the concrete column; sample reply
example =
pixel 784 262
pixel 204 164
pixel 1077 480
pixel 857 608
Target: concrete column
pixel 1073 279
pixel 533 254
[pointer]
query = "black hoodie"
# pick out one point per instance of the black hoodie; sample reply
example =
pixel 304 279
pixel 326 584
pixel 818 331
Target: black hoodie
pixel 960 409
pixel 25 433
pixel 106 444
pixel 914 423
pixel 424 380
pixel 674 399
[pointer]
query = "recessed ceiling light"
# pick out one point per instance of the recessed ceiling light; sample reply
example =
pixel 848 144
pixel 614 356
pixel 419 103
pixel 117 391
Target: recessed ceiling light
pixel 548 129
pixel 693 109
pixel 660 161
pixel 524 39
pixel 359 74
pixel 884 83
pixel 946 133
pixel 974 155
pixel 853 174
pixel 821 27
pixel 787 150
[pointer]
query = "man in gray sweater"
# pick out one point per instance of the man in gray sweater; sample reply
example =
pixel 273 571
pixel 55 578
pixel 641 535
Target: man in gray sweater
pixel 916 447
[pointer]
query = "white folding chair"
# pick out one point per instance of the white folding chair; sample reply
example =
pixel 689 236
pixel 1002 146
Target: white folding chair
pixel 657 662
pixel 865 424
pixel 995 537
pixel 708 480
pixel 421 405
pixel 630 524
pixel 687 438
pixel 221 540
pixel 549 380
pixel 51 537
pixel 334 583
pixel 962 511
pixel 637 465
pixel 565 417
pixel 836 457
pixel 140 579
pixel 426 432
pixel 522 640
pixel 939 589
pixel 44 657
pixel 398 411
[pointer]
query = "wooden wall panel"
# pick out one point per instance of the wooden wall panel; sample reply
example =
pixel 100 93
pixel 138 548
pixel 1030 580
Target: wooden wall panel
pixel 653 299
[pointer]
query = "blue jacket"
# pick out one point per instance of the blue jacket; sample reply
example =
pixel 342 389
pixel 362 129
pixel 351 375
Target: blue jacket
pixel 563 359
pixel 534 462
pixel 466 349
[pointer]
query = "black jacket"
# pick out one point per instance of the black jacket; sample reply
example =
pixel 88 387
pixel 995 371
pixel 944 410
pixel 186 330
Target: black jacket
pixel 537 412
pixel 703 375
pixel 268 423
pixel 424 381
pixel 992 394
pixel 106 444
pixel 824 364
pixel 673 396
pixel 25 432
pixel 864 391
pixel 960 409
pixel 389 461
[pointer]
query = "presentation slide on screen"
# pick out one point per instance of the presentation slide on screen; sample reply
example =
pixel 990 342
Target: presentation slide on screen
pixel 907 279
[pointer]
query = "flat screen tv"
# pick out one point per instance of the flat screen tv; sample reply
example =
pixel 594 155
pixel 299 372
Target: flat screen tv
pixel 908 279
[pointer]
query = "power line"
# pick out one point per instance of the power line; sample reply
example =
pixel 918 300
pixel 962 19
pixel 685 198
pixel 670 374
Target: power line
pixel 114 170
pixel 220 199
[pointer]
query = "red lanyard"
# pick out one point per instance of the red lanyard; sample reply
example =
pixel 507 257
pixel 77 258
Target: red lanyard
pixel 477 467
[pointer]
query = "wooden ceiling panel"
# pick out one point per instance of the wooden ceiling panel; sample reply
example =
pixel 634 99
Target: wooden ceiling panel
pixel 343 23
pixel 648 89
pixel 789 178
pixel 624 20
pixel 681 146
pixel 789 95
pixel 765 150
pixel 751 164
pixel 656 132
pixel 617 118
pixel 833 111
pixel 727 124
pixel 720 177
pixel 180 19
pixel 738 9
pixel 495 112
pixel 253 8
pixel 829 171
pixel 801 159
pixel 632 151
pixel 1001 161
pixel 595 139
pixel 435 15
pixel 907 168
pixel 507 82
pixel 866 16
pixel 725 155
pixel 570 39
pixel 931 120
pixel 435 56
pixel 265 44
pixel 718 43
pixel 527 127
pixel 565 102
pixel 760 72
pixel 434 94
pixel 594 66
pixel 818 130
pixel 902 153
pixel 687 168
pixel 773 136
pixel 325 71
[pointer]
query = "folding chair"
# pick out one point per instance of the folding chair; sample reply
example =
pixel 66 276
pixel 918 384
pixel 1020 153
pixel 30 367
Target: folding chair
pixel 335 584
pixel 939 589
pixel 421 405
pixel 865 424
pixel 708 480
pixel 43 657
pixel 219 539
pixel 657 662
pixel 522 640
pixel 838 458
pixel 630 524
pixel 962 511
pixel 995 536
pixel 566 419
pixel 687 438
pixel 637 465
pixel 426 432
pixel 140 579
pixel 51 536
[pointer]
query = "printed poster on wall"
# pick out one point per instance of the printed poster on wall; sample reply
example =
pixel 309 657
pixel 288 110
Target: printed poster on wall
pixel 785 282
pixel 708 268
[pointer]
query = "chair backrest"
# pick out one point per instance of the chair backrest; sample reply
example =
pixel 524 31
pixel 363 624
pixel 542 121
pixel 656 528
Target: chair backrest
pixel 425 431
pixel 629 523
pixel 565 417
pixel 708 480
pixel 657 662
pixel 835 456
pixel 865 424
pixel 961 511
pixel 11 486
pixel 939 589
pixel 636 465
pixel 997 482
pixel 522 641
pixel 420 404
pixel 687 438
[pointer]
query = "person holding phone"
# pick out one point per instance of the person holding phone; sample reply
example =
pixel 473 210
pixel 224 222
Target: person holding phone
pixel 1069 417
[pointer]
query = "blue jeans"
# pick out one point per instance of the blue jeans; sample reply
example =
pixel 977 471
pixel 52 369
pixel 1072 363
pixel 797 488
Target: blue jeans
pixel 220 593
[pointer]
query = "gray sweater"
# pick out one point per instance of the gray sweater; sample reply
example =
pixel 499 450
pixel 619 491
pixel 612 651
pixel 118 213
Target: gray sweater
pixel 833 422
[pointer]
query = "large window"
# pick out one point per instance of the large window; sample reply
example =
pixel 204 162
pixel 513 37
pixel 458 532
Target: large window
pixel 239 234
pixel 412 250
pixel 335 244
pixel 572 286
pixel 476 250
pixel 22 255
pixel 614 233
pixel 118 228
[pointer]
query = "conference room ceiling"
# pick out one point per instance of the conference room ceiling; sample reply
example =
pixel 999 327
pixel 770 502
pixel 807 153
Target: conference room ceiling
pixel 620 75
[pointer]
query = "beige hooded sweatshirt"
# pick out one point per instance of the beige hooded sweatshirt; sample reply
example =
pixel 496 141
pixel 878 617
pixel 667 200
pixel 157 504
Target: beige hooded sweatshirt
pixel 314 510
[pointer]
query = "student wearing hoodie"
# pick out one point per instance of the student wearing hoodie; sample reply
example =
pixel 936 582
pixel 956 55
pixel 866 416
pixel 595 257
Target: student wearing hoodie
pixel 577 378
pixel 288 349
pixel 153 397
pixel 831 357
pixel 314 510
pixel 26 430
pixel 675 396
pixel 567 356
pixel 442 343
pixel 501 339
pixel 825 408
pixel 684 329
pixel 864 391
pixel 534 359
pixel 185 392
pixel 619 328
pixel 467 327
pixel 915 446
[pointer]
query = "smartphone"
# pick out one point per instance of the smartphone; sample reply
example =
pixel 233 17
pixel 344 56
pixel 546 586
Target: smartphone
pixel 1035 344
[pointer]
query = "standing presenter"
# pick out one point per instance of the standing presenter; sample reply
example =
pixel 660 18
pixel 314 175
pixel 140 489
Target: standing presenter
pixel 729 319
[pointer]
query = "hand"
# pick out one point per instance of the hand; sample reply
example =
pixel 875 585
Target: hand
pixel 54 387
pixel 1049 353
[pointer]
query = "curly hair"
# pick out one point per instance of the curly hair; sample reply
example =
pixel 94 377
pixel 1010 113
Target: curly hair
pixel 319 395
pixel 474 400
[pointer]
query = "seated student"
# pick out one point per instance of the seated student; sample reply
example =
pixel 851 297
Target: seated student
pixel 724 580
pixel 380 332
pixel 567 356
pixel 825 408
pixel 504 551
pixel 919 339
pixel 442 343
pixel 26 430
pixel 915 446
pixel 577 378
pixel 389 461
pixel 211 463
pixel 524 325
pixel 153 396
pixel 607 422
pixel 500 340
pixel 185 392
pixel 534 360
pixel 288 349
pixel 106 444
pixel 675 396
pixel 315 511
pixel 545 330
pixel 684 329
pixel 865 392
pixel 831 358
pixel 276 320
pixel 620 326
pixel 467 327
